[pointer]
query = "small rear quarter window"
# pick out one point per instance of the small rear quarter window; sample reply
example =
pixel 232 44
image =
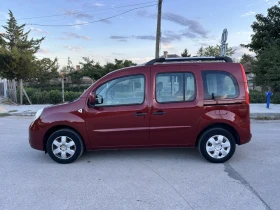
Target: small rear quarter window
pixel 219 84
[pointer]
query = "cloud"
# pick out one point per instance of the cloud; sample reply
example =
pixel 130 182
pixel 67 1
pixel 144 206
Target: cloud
pixel 63 38
pixel 167 46
pixel 145 37
pixel 193 25
pixel 39 31
pixel 77 14
pixel 142 13
pixel 106 21
pixel 81 23
pixel 77 36
pixel 97 4
pixel 72 48
pixel 119 37
pixel 243 33
pixel 141 60
pixel 239 51
pixel 203 44
pixel 115 53
pixel 248 14
pixel 171 34
pixel 189 35
pixel 43 50
pixel 168 38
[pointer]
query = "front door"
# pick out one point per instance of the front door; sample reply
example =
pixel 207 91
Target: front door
pixel 175 109
pixel 122 120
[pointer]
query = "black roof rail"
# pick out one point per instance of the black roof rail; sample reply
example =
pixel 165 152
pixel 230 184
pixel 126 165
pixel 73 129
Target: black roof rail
pixel 164 60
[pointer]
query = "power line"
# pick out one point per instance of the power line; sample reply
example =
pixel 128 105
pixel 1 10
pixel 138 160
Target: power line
pixel 67 18
pixel 74 13
pixel 100 20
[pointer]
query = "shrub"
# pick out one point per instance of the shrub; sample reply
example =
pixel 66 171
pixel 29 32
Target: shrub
pixel 275 99
pixel 257 97
pixel 55 96
pixel 260 97
pixel 39 96
pixel 70 95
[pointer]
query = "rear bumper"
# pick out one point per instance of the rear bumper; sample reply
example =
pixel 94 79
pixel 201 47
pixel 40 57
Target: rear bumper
pixel 244 132
pixel 36 136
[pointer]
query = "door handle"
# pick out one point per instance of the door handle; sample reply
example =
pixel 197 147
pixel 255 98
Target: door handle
pixel 159 113
pixel 140 114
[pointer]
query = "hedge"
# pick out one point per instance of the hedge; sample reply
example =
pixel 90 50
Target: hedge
pixel 38 96
pixel 48 97
pixel 58 87
pixel 260 97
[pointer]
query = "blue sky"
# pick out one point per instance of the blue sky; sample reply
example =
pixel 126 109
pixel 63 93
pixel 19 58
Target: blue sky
pixel 185 24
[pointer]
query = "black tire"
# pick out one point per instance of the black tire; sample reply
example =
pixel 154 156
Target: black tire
pixel 71 136
pixel 214 132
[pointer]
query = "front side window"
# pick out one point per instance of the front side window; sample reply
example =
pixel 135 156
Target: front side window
pixel 122 91
pixel 175 87
pixel 219 85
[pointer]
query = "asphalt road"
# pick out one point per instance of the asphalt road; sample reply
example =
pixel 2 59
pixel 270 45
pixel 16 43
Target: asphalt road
pixel 139 179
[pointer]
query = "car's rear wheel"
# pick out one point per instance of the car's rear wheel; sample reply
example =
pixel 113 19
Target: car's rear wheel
pixel 65 146
pixel 217 145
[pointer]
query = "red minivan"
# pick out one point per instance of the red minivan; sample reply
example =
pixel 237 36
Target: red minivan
pixel 181 102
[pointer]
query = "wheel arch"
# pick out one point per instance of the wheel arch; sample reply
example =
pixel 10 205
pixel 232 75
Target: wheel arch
pixel 225 126
pixel 56 128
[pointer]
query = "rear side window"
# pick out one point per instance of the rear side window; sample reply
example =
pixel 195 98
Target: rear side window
pixel 175 87
pixel 219 85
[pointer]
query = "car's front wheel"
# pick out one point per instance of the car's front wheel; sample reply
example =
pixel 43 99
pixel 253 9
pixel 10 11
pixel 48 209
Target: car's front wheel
pixel 65 146
pixel 217 145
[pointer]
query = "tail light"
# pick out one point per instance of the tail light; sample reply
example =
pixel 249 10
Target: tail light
pixel 247 97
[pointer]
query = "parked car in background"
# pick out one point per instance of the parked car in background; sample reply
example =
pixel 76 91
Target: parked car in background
pixel 168 102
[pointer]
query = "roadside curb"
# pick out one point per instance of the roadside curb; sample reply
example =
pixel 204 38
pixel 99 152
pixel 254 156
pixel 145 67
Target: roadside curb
pixel 23 114
pixel 265 115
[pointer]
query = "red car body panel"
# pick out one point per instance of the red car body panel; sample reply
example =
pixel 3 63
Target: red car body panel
pixel 118 127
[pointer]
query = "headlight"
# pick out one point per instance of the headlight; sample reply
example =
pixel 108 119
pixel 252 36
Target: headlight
pixel 38 114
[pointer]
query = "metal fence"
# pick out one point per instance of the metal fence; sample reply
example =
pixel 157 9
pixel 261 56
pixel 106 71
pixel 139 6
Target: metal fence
pixel 1 88
pixel 8 89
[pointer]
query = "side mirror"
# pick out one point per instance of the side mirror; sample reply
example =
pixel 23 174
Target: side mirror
pixel 98 100
pixel 93 99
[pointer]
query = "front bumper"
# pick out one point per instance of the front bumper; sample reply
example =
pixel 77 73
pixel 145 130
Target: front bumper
pixel 36 136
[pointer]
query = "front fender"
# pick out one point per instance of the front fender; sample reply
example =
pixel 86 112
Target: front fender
pixel 74 120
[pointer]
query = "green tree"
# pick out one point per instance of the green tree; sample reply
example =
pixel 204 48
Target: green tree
pixel 95 70
pixel 14 64
pixel 214 51
pixel 44 70
pixel 266 30
pixel 108 67
pixel 247 61
pixel 265 42
pixel 267 68
pixel 17 51
pixel 76 76
pixel 185 53
pixel 91 69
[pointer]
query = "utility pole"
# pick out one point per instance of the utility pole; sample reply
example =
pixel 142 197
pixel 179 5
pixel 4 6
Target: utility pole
pixel 62 87
pixel 158 28
pixel 20 92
